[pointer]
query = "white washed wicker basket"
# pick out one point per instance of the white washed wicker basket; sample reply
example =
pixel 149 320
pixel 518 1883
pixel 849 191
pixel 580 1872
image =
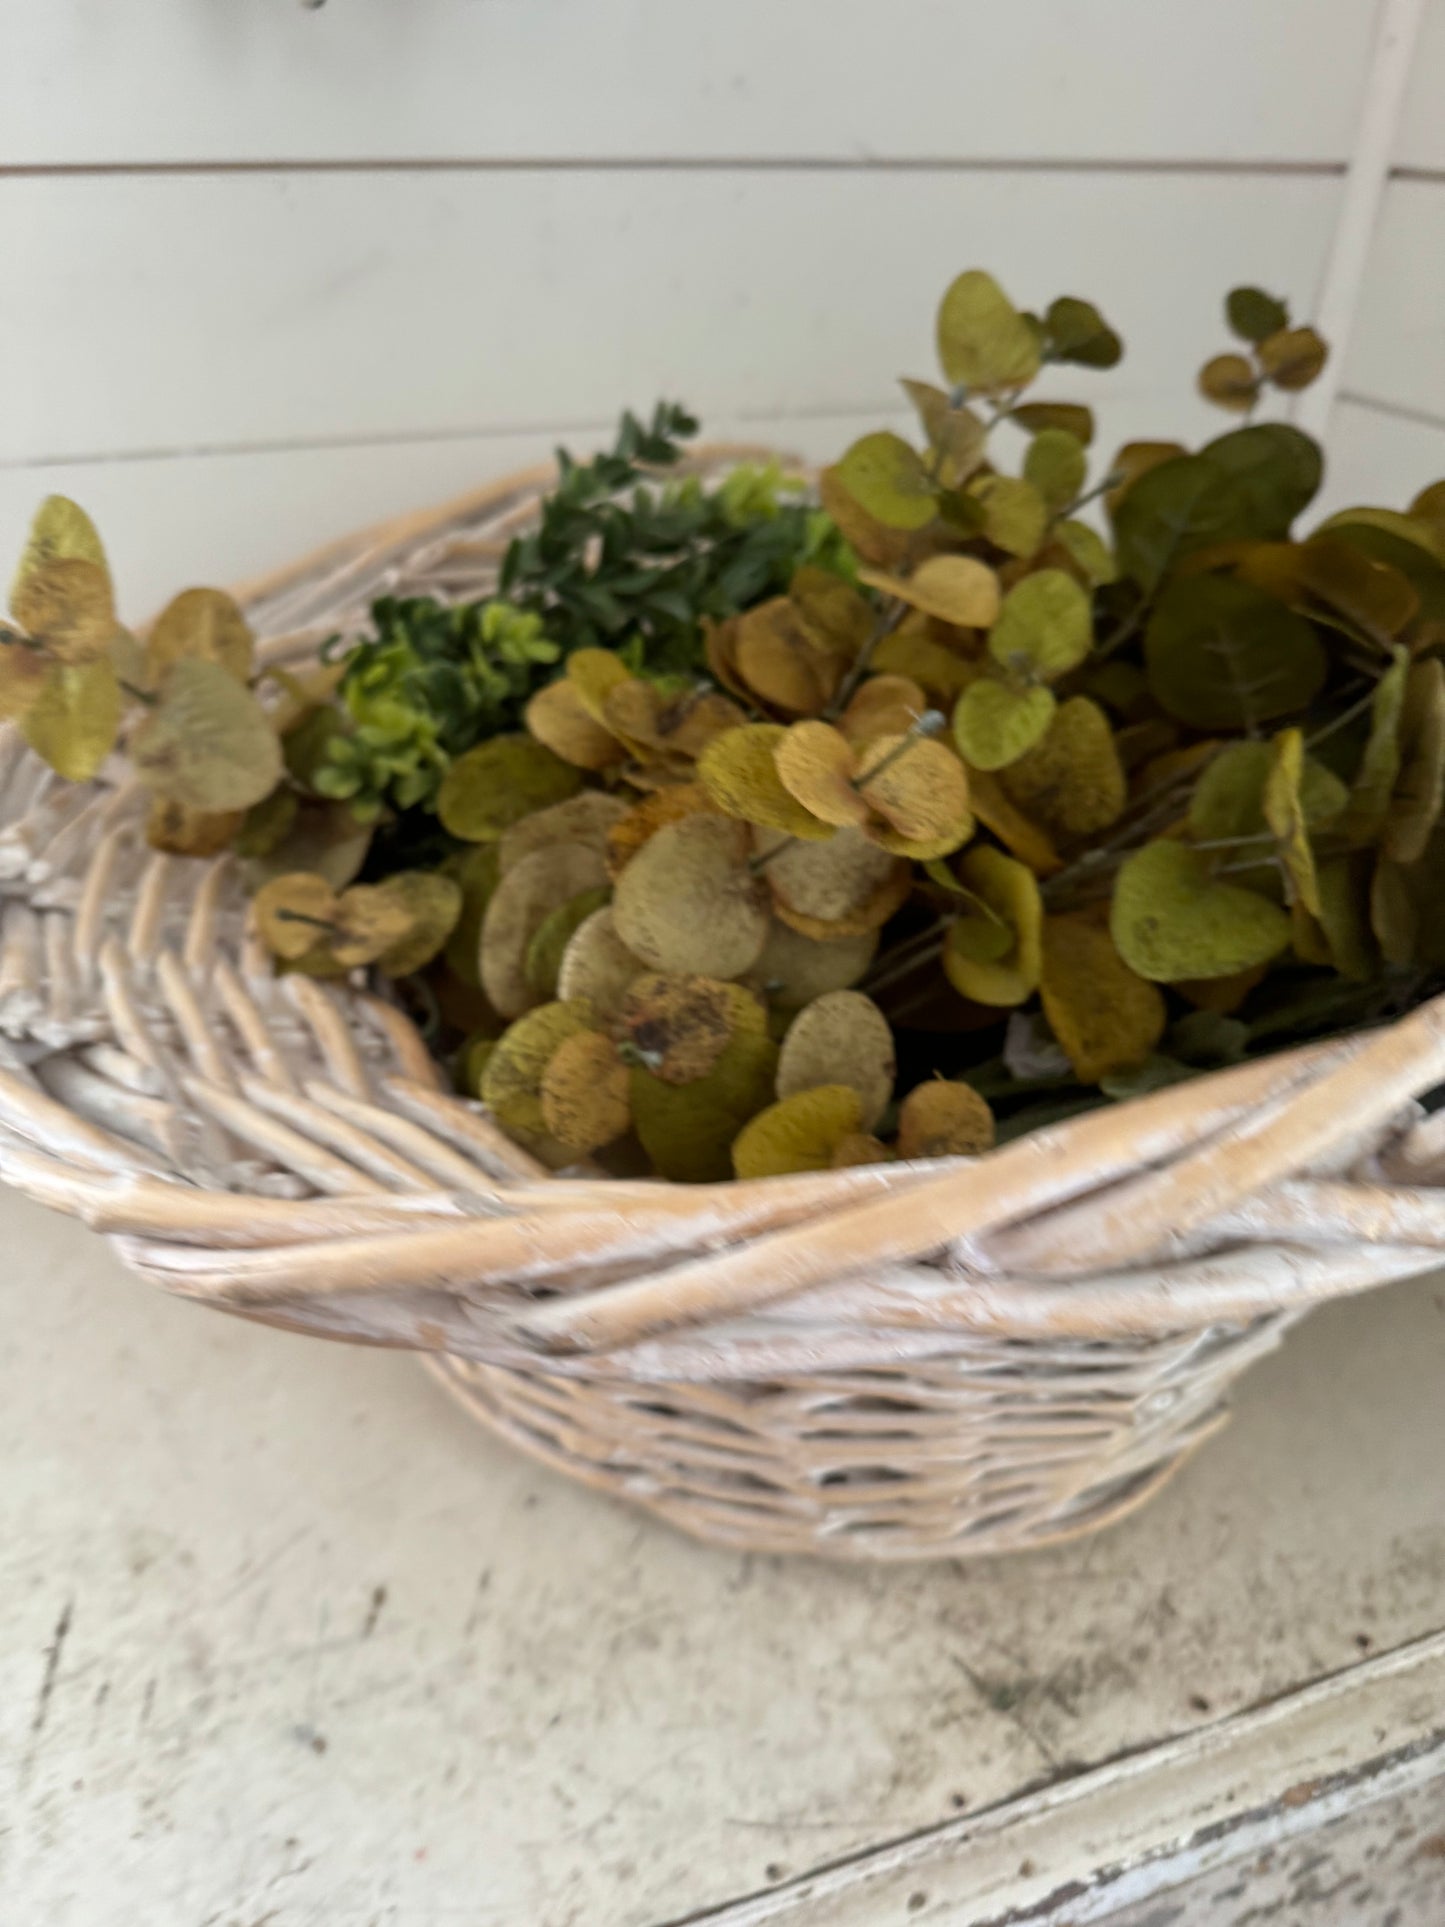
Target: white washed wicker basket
pixel 902 1361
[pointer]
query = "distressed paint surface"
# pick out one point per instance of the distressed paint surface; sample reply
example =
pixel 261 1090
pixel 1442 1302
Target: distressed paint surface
pixel 283 1638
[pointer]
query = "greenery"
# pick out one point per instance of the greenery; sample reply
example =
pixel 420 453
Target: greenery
pixel 745 832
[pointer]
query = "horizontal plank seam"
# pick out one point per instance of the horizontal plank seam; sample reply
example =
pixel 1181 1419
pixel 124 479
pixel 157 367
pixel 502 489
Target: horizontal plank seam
pixel 689 164
pixel 1398 411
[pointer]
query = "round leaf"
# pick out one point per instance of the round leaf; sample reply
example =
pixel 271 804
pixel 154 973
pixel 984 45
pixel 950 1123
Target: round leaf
pixel 799 1133
pixel 292 912
pixel 984 344
pixel 1071 781
pixel 205 624
pixel 61 531
pixel 1293 357
pixel 208 743
pixel 688 1129
pixel 1252 314
pixel 584 1093
pixel 432 903
pixel 1010 894
pixel 688 901
pixel 942 1119
pixel 498 783
pixel 955 588
pixel 1045 627
pixel 841 1038
pixel 74 718
pixel 742 777
pixel 994 724
pixel 1172 918
pixel 529 892
pixel 1079 333
pixel 1105 1017
pixel 1056 465
pixel 1222 654
pixel 1230 381
pixel 1015 515
pixel 889 482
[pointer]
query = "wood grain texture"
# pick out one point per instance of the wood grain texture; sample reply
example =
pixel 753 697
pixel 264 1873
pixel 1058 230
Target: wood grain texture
pixel 253 80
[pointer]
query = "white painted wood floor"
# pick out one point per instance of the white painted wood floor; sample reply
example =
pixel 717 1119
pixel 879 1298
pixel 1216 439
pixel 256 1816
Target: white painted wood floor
pixel 284 1640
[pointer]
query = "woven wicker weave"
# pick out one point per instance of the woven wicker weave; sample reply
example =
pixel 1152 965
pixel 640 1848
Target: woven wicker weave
pixel 890 1362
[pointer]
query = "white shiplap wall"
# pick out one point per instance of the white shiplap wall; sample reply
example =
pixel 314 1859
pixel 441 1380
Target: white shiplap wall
pixel 273 272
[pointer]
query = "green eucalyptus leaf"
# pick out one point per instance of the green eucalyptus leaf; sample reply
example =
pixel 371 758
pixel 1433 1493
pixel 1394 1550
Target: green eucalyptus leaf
pixel 888 480
pixel 994 724
pixel 1045 627
pixel 1173 920
pixel 1221 654
pixel 984 344
pixel 1254 315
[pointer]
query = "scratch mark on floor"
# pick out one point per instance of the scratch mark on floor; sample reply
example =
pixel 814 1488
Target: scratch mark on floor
pixel 474 1617
pixel 52 1665
pixel 373 1611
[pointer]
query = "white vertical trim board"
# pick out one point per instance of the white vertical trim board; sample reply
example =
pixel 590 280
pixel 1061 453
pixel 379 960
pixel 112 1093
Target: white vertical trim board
pixel 1395 38
pixel 186 82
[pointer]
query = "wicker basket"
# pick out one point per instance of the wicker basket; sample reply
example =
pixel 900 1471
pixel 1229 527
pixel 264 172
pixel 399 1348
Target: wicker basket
pixel 904 1361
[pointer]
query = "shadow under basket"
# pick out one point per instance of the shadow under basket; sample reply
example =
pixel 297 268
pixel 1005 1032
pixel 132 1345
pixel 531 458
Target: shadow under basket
pixel 890 1362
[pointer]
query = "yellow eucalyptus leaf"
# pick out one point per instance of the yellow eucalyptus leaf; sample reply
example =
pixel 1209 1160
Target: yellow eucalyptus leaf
pixel 858 1147
pixel 1071 780
pixel 205 624
pixel 1087 552
pixel 741 776
pixel 61 531
pixel 1010 894
pixel 957 437
pixel 917 792
pixel 431 904
pixel 1019 834
pixel 1045 627
pixel 942 673
pixel 584 1093
pixel 292 912
pixel 678 1026
pixel 816 765
pixel 24 668
pixel 642 822
pixel 181 832
pixel 1106 1018
pixel 594 674
pixel 995 723
pixel 501 781
pixel 524 897
pixel 561 722
pixel 1172 918
pixel 1419 791
pixel 1284 812
pixel 841 1038
pixel 1056 465
pixel 798 1133
pixel 586 820
pixel 1015 515
pixel 549 943
pixel 842 888
pixel 74 717
pixel 944 1119
pixel 889 482
pixel 511 1080
pixel 67 606
pixel 794 969
pixel 984 344
pixel 1031 416
pixel 956 588
pixel 689 902
pixel 597 968
pixel 207 743
pixel 882 706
